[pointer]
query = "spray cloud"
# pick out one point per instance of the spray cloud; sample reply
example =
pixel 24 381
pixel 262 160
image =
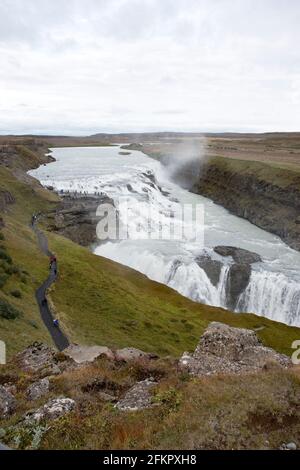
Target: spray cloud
pixel 185 161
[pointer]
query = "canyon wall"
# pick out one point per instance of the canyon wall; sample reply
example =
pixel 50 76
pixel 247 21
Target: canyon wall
pixel 266 195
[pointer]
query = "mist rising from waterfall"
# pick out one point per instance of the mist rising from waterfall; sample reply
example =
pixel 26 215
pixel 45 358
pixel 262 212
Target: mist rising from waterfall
pixel 185 162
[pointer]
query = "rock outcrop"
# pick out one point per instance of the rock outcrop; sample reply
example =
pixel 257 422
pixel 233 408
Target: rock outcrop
pixel 211 267
pixel 239 272
pixel 223 349
pixel 76 219
pixel 53 409
pixel 133 354
pixel 38 389
pixel 138 397
pixel 39 358
pixel 7 402
pixel 81 354
pixel 133 146
pixel 239 255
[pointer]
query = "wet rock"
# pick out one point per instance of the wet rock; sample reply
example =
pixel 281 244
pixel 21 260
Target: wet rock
pixel 7 402
pixel 211 267
pixel 133 146
pixel 39 358
pixel 76 217
pixel 224 349
pixel 133 354
pixel 81 354
pixel 237 281
pixel 52 410
pixel 138 397
pixel 38 389
pixel 239 273
pixel 239 255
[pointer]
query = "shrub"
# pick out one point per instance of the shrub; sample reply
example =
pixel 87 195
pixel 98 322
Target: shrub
pixel 170 399
pixel 16 293
pixel 7 311
pixel 33 324
pixel 7 268
pixel 3 279
pixel 5 256
pixel 2 237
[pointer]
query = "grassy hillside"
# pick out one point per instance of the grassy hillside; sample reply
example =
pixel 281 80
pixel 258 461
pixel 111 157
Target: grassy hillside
pixel 97 300
pixel 29 266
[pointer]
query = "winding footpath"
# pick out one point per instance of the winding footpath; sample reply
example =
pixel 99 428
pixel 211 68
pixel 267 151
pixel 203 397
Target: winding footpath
pixel 59 338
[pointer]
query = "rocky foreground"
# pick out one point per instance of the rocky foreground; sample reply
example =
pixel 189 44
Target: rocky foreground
pixel 119 396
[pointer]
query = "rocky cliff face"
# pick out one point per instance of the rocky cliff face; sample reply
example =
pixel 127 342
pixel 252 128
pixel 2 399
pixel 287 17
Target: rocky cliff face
pixel 75 218
pixel 267 196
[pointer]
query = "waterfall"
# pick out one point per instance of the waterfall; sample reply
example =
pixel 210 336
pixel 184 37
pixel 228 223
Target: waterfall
pixel 273 290
pixel 272 295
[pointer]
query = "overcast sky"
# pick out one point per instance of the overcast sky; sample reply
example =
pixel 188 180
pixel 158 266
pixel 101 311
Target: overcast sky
pixel 82 66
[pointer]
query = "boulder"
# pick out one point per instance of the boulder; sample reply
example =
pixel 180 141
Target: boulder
pixel 132 146
pixel 239 272
pixel 224 349
pixel 81 354
pixel 133 354
pixel 239 255
pixel 38 389
pixel 39 358
pixel 138 397
pixel 211 267
pixel 237 280
pixel 7 402
pixel 52 410
pixel 107 397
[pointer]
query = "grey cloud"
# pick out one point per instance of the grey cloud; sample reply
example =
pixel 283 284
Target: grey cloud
pixel 149 64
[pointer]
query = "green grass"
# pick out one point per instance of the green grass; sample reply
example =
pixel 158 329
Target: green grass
pixel 283 175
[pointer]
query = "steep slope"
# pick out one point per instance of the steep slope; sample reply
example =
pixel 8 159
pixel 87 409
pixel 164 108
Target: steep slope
pixel 263 193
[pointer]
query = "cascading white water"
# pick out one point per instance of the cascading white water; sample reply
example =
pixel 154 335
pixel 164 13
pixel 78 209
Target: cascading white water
pixel 274 287
pixel 272 295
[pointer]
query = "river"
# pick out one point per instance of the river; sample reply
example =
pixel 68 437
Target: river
pixel 274 287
